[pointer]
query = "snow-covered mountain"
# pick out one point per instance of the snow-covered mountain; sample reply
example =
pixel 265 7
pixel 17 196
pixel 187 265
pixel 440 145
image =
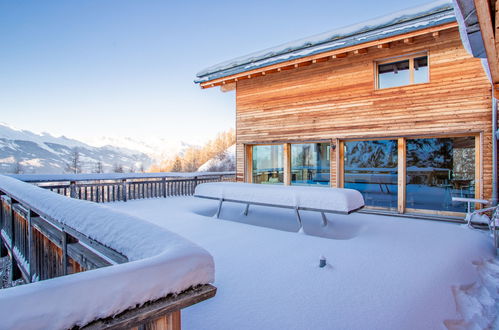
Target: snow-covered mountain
pixel 44 153
pixel 157 149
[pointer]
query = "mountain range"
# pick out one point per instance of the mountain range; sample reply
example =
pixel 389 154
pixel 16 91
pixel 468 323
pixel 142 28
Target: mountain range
pixel 22 150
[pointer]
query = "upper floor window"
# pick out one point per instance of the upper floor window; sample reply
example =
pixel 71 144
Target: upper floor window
pixel 404 71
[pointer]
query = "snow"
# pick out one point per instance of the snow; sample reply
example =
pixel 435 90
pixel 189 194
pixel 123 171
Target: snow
pixel 161 262
pixel 110 176
pixel 229 160
pixel 382 272
pixel 323 198
pixel 431 14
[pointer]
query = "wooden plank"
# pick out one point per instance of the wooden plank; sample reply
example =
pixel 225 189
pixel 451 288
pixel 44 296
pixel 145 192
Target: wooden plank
pixel 154 310
pixel 402 174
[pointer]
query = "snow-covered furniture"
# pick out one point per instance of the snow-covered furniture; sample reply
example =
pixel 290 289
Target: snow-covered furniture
pixel 319 199
pixel 161 272
pixel 480 216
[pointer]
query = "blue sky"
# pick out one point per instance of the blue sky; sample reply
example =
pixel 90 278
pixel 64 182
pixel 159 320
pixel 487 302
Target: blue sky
pixel 126 68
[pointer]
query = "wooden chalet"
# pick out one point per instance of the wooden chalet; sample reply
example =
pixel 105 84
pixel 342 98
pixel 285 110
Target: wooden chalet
pixel 396 108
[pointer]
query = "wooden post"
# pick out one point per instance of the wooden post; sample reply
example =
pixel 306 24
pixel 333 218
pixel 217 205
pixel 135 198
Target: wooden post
pixel 248 175
pixel 340 177
pixel 402 175
pixel 287 164
pixel 478 172
pixel 124 191
pixel 72 189
pixel 163 187
pixel 31 247
pixel 64 241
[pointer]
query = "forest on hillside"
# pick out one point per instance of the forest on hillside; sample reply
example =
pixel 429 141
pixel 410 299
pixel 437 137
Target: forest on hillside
pixel 194 157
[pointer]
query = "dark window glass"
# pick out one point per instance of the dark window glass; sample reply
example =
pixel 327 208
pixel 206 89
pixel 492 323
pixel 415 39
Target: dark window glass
pixel 393 74
pixel 268 164
pixel 310 164
pixel 437 170
pixel 421 70
pixel 371 168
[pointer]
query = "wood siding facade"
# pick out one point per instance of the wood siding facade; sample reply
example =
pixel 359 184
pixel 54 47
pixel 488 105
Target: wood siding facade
pixel 337 100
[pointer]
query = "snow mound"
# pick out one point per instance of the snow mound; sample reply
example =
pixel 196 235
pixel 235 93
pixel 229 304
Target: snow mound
pixel 161 263
pixel 323 198
pixel 478 303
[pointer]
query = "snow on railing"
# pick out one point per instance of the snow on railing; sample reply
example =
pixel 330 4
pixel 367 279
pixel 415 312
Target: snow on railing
pixel 111 187
pixel 148 264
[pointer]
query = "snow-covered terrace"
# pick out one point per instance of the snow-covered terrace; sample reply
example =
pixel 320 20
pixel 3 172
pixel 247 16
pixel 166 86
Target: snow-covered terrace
pixel 383 272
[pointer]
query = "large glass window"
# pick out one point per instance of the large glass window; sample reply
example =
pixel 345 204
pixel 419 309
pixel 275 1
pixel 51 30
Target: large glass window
pixel 268 164
pixel 371 168
pixel 310 164
pixel 439 169
pixel 413 70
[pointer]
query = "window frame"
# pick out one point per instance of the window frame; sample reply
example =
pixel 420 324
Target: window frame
pixel 409 57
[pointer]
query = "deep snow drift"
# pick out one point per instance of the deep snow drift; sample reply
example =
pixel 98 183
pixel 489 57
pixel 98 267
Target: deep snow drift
pixel 382 272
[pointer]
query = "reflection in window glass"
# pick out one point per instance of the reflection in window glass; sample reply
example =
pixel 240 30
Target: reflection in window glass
pixel 421 70
pixel 393 74
pixel 439 169
pixel 268 164
pixel 371 168
pixel 310 164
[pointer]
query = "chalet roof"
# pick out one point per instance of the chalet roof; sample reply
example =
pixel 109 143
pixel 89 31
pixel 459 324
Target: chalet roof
pixel 405 21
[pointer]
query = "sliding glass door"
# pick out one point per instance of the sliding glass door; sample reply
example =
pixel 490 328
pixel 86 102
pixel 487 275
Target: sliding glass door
pixel 371 167
pixel 439 169
pixel 310 164
pixel 268 164
pixel 436 170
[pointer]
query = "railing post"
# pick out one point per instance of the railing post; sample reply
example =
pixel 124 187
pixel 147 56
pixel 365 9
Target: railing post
pixel 124 190
pixel 163 187
pixel 195 184
pixel 64 244
pixel 3 249
pixel 31 247
pixel 72 189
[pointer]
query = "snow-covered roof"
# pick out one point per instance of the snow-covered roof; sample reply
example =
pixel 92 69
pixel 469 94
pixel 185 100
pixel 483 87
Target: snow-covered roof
pixel 405 21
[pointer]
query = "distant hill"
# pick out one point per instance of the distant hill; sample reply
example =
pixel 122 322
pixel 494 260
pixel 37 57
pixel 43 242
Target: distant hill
pixel 44 153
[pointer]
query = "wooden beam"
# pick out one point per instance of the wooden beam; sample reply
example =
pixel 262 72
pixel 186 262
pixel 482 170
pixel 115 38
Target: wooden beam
pixel 402 175
pixel 339 53
pixel 487 30
pixel 384 46
pixel 409 40
pixel 435 34
pixel 248 168
pixel 287 164
pixel 360 51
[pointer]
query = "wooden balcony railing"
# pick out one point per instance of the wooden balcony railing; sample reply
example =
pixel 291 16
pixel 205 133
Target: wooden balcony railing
pixel 102 188
pixel 42 247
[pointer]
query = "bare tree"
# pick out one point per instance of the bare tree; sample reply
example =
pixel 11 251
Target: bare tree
pixel 118 168
pixel 177 164
pixel 99 168
pixel 74 164
pixel 17 168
